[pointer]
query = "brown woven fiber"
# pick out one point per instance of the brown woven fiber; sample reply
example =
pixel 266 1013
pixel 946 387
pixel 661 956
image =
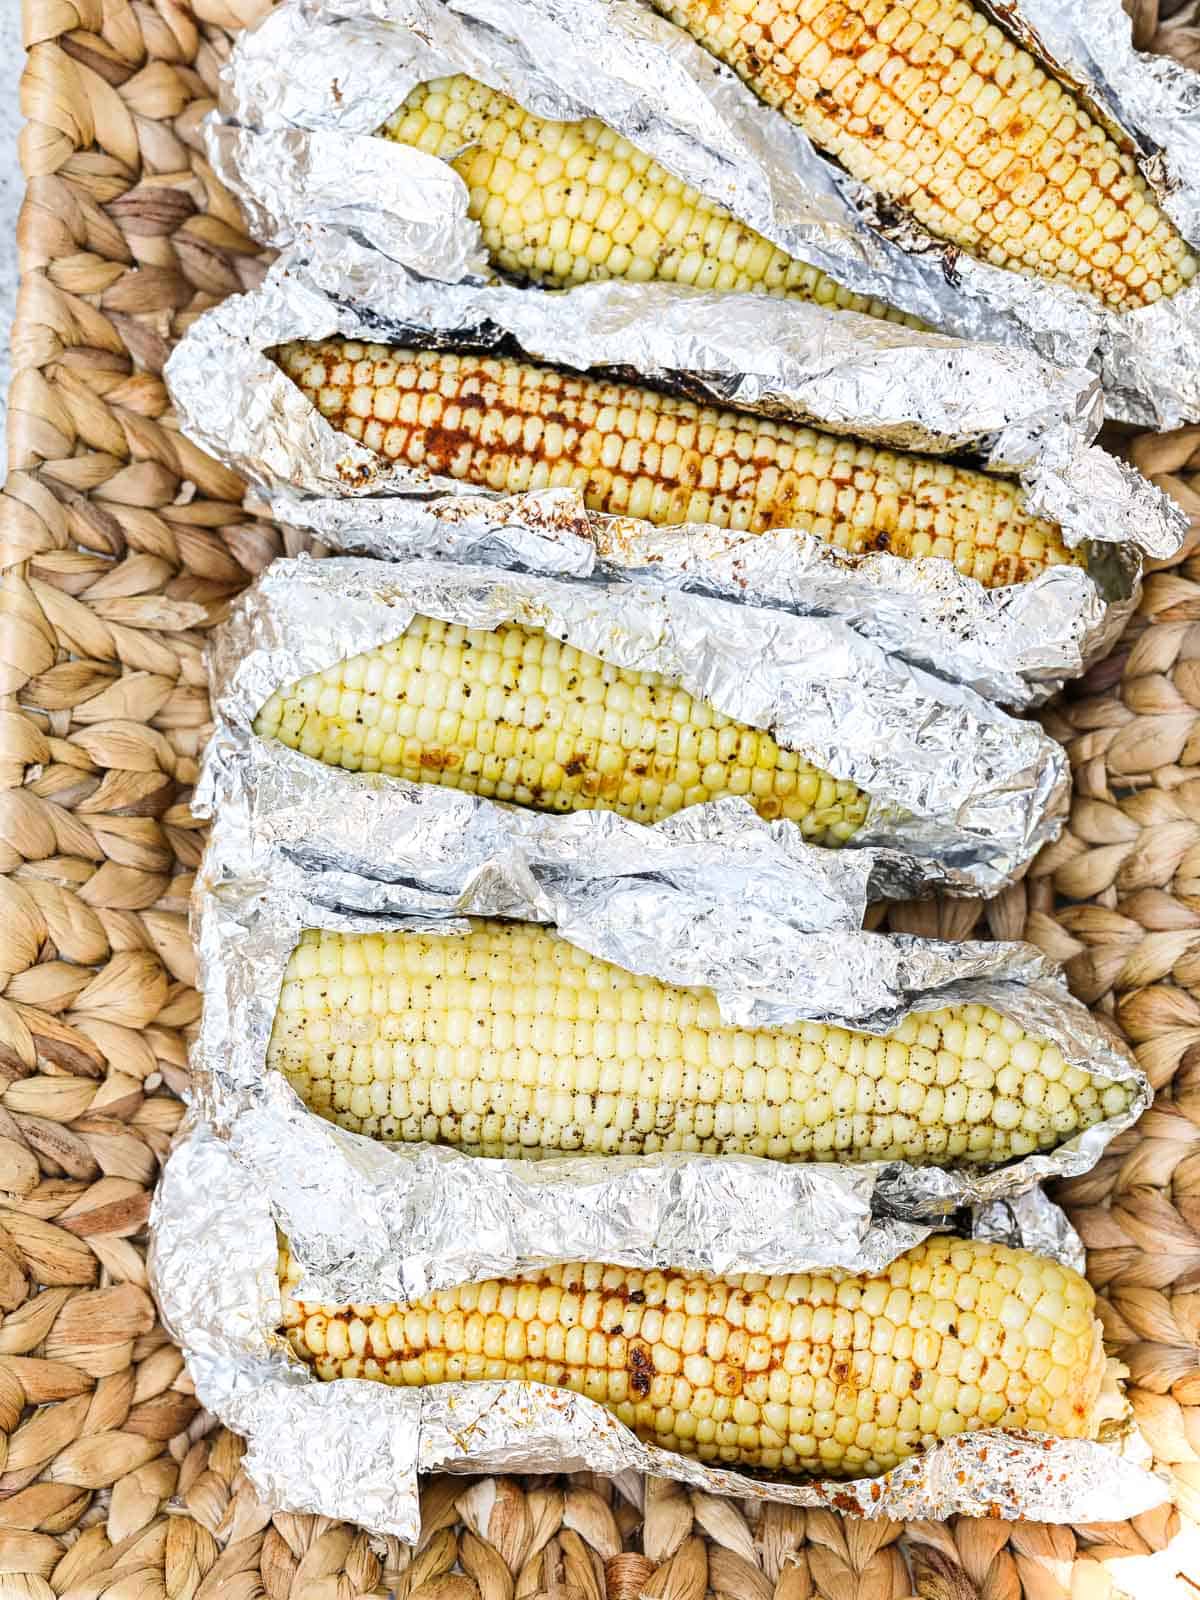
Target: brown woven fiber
pixel 120 545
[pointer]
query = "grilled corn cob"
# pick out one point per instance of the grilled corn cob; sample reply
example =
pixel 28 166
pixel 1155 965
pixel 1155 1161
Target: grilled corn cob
pixel 934 107
pixel 511 426
pixel 829 1373
pixel 510 1041
pixel 561 203
pixel 516 715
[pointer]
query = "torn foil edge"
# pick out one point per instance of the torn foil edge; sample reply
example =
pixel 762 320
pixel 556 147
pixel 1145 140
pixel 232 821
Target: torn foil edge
pixel 961 795
pixel 1014 644
pixel 618 60
pixel 352 1449
pixel 425 1217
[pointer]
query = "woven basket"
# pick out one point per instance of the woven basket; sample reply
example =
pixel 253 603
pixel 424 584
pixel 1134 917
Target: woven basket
pixel 121 545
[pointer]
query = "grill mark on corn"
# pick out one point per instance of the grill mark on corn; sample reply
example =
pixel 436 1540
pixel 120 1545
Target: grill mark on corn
pixel 641 1368
pixel 933 106
pixel 836 1373
pixel 550 727
pixel 511 425
pixel 510 1041
pixel 561 203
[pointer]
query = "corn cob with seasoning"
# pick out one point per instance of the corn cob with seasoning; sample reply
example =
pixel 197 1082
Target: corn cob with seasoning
pixel 512 426
pixel 934 107
pixel 510 1041
pixel 513 714
pixel 829 1373
pixel 563 203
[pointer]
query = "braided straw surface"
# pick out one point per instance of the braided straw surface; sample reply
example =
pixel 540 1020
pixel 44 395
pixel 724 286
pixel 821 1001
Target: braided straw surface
pixel 120 545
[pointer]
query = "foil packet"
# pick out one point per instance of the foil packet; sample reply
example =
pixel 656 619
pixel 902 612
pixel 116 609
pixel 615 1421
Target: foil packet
pixel 1013 411
pixel 961 796
pixel 297 142
pixel 294 849
pixel 353 1448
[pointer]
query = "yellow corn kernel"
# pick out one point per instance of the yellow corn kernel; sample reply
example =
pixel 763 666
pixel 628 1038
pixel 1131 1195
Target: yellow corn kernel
pixel 510 1041
pixel 515 715
pixel 933 106
pixel 828 1373
pixel 561 203
pixel 511 425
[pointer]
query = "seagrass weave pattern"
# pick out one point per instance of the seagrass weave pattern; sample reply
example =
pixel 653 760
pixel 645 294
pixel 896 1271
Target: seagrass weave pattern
pixel 120 546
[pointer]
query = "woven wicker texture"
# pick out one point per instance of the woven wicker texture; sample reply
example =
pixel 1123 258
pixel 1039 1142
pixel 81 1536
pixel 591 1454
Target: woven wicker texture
pixel 120 546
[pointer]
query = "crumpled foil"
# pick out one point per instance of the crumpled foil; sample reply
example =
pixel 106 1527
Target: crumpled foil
pixel 1030 1221
pixel 294 848
pixel 352 1449
pixel 961 795
pixel 304 93
pixel 1019 414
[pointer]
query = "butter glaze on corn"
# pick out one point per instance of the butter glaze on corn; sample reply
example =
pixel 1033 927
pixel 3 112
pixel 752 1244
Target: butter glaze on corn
pixel 932 105
pixel 562 203
pixel 510 1041
pixel 512 425
pixel 828 1373
pixel 513 714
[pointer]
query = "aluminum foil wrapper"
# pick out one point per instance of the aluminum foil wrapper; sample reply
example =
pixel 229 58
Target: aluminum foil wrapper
pixel 1030 1221
pixel 294 849
pixel 353 1449
pixel 961 795
pixel 1011 409
pixel 304 93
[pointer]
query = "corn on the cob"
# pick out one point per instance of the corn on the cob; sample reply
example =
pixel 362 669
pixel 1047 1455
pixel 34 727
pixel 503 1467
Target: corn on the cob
pixel 826 1372
pixel 934 107
pixel 510 1041
pixel 513 714
pixel 561 203
pixel 511 426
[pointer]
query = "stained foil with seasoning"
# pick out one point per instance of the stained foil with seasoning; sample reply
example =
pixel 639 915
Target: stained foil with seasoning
pixel 943 788
pixel 301 146
pixel 353 1449
pixel 1008 408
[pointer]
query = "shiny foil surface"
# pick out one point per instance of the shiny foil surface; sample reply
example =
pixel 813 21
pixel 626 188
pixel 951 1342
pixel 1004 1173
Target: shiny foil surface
pixel 353 1448
pixel 962 795
pixel 294 848
pixel 296 141
pixel 1008 407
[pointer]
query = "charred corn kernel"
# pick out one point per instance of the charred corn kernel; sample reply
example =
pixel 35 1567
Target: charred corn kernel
pixel 561 203
pixel 934 107
pixel 511 425
pixel 510 1041
pixel 830 1373
pixel 515 715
